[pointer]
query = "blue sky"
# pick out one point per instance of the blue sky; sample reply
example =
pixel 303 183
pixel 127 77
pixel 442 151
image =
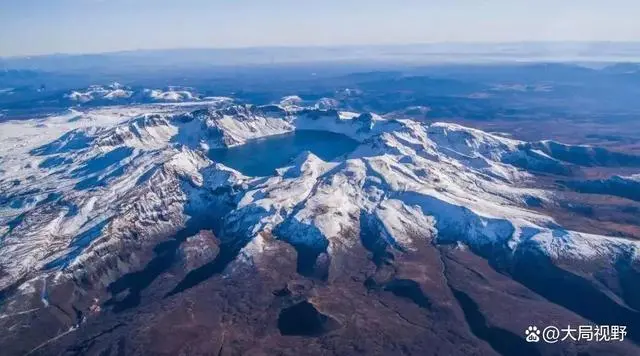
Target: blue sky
pixel 87 26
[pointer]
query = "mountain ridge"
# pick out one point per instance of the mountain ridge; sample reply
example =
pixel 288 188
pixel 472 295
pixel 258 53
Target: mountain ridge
pixel 407 188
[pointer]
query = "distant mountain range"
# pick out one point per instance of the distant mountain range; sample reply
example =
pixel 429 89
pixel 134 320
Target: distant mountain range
pixel 435 53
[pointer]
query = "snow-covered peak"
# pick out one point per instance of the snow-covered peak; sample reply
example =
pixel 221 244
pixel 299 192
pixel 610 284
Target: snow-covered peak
pixel 307 163
pixel 170 95
pixel 144 177
pixel 97 92
pixel 121 94
pixel 291 101
pixel 470 142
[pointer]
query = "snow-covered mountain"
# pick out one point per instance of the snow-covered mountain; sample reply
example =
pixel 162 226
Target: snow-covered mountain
pixel 90 204
pixel 117 93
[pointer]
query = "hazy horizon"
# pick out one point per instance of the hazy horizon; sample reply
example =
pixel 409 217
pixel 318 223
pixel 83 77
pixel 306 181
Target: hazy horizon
pixel 40 27
pixel 450 44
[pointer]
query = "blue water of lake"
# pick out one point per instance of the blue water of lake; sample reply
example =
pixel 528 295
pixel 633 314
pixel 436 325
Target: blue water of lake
pixel 262 156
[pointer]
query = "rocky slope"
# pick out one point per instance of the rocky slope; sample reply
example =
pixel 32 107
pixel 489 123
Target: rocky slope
pixel 426 239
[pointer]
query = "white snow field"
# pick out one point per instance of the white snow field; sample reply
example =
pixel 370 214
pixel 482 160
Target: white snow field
pixel 76 188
